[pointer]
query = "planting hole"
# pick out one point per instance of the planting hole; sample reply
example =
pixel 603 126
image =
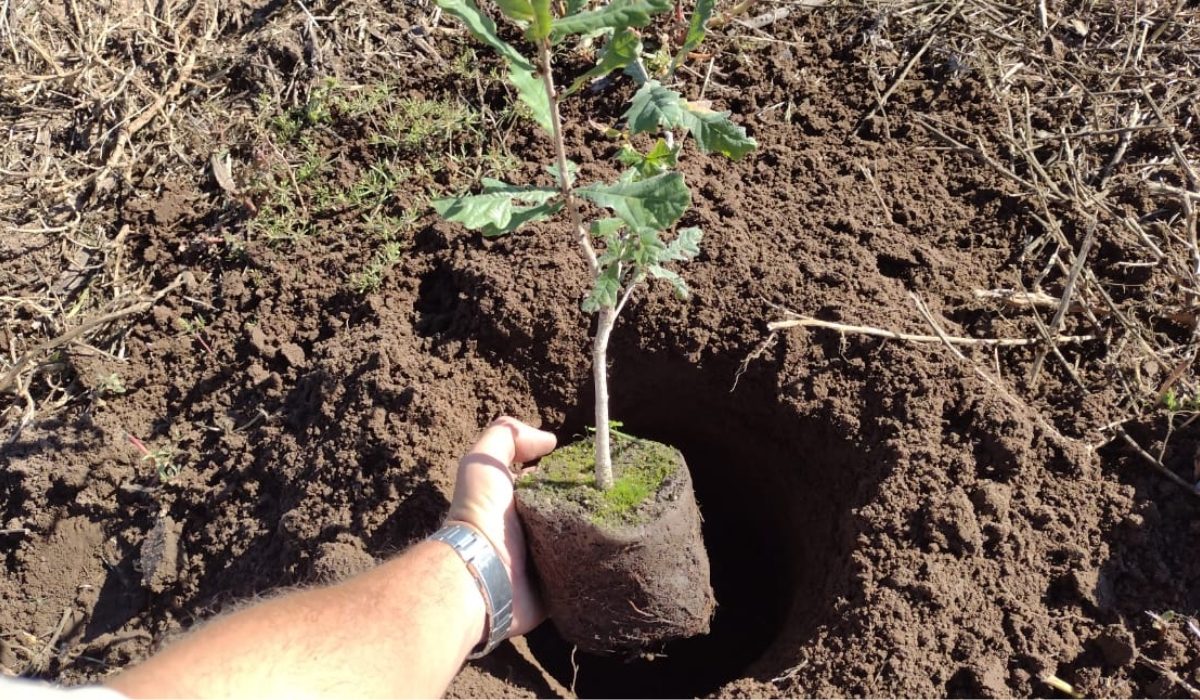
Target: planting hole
pixel 771 488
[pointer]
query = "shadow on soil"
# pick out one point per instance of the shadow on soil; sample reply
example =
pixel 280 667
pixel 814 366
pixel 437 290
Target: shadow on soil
pixel 775 491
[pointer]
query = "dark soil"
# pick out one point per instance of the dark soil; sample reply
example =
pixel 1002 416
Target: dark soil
pixel 880 521
pixel 647 578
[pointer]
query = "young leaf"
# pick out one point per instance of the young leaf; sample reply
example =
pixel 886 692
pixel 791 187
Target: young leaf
pixel 662 273
pixel 653 203
pixel 660 159
pixel 516 10
pixel 715 133
pixel 541 20
pixel 696 31
pixel 654 107
pixel 500 208
pixel 574 6
pixel 604 293
pixel 521 73
pixel 621 50
pixel 685 246
pixel 617 14
pixel 629 156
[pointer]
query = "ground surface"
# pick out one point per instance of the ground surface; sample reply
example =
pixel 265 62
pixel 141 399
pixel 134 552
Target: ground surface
pixel 882 517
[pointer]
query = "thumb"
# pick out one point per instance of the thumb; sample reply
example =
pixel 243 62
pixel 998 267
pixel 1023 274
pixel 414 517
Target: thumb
pixel 509 440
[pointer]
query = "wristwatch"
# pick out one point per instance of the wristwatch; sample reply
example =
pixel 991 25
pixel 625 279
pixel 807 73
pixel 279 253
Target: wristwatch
pixel 490 575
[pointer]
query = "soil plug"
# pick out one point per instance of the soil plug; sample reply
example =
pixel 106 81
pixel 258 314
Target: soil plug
pixel 634 522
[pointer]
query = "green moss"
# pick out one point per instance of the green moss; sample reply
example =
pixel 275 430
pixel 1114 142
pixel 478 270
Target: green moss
pixel 639 469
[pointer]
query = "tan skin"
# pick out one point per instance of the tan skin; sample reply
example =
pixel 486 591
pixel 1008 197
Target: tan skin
pixel 402 629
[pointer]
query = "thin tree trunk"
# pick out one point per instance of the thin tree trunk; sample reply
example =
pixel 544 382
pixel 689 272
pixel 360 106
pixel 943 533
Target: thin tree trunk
pixel 607 318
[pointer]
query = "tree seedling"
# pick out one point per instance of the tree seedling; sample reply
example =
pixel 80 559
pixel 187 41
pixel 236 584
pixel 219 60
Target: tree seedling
pixel 163 459
pixel 626 249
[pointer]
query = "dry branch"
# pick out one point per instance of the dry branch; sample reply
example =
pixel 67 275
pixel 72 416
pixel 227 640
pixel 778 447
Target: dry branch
pixel 1065 303
pixel 802 321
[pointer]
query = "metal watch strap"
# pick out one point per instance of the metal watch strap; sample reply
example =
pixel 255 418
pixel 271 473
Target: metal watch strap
pixel 491 576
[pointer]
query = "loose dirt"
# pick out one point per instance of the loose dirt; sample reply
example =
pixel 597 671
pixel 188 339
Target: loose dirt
pixel 880 519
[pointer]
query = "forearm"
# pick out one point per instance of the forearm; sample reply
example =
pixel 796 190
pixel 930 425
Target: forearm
pixel 401 629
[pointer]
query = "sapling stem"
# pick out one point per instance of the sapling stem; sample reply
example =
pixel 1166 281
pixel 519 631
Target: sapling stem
pixel 560 158
pixel 606 318
pixel 607 315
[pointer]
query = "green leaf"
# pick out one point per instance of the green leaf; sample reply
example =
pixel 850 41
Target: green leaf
pixel 516 10
pixel 499 208
pixel 653 203
pixel 685 246
pixel 715 133
pixel 621 50
pixel 530 88
pixel 574 6
pixel 532 91
pixel 662 273
pixel 604 293
pixel 696 30
pixel 572 172
pixel 542 20
pixel 522 216
pixel 491 185
pixel 484 29
pixel 628 155
pixel 660 159
pixel 663 155
pixel 654 107
pixel 617 14
pixel 606 228
pixel 647 250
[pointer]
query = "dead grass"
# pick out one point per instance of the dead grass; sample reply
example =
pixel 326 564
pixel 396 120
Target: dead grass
pixel 107 103
pixel 96 96
pixel 1100 139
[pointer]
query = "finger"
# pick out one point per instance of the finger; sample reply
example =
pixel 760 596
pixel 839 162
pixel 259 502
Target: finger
pixel 532 443
pixel 508 439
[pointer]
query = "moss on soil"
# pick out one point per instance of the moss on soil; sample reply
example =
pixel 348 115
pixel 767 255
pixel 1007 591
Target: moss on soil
pixel 639 469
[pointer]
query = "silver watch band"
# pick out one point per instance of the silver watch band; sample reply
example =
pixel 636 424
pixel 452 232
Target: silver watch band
pixel 491 576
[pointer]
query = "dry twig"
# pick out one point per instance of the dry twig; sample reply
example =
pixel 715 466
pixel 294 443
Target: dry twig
pixel 802 321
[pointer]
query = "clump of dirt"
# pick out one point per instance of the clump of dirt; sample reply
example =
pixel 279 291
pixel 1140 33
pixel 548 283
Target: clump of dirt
pixel 646 581
pixel 882 517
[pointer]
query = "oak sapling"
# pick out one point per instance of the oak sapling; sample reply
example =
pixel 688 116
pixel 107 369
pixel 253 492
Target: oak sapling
pixel 625 250
pixel 649 582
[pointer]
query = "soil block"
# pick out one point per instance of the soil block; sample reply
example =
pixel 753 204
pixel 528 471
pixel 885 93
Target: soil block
pixel 623 570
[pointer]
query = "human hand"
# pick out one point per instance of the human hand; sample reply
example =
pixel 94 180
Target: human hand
pixel 483 498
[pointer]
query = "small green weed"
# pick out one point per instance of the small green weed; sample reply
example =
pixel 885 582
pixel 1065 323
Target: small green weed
pixel 163 459
pixel 281 218
pixel 364 100
pixel 110 384
pixel 1176 403
pixel 314 112
pixel 420 124
pixel 412 145
pixel 312 164
pixel 376 186
pixel 371 277
pixel 191 325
